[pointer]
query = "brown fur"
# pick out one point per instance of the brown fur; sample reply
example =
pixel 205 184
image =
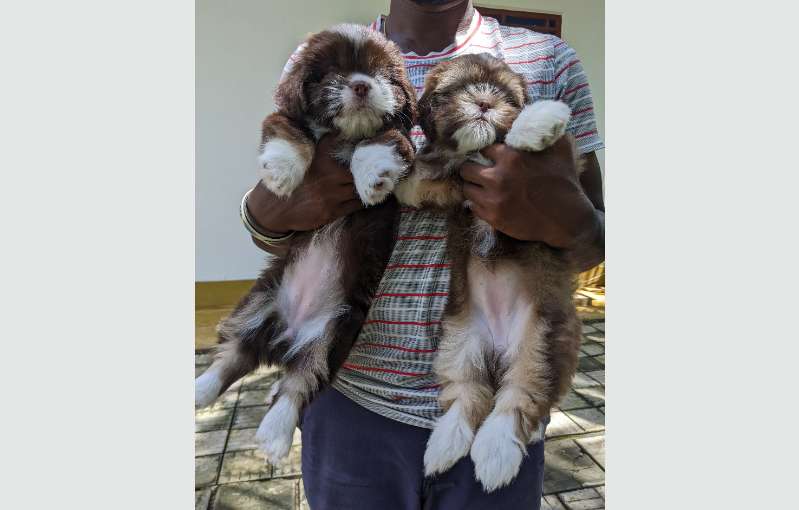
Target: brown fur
pixel 483 375
pixel 259 330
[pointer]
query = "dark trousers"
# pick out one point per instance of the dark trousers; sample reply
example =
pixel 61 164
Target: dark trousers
pixel 355 459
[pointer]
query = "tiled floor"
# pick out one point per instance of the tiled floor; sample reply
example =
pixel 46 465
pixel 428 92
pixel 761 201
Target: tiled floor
pixel 231 475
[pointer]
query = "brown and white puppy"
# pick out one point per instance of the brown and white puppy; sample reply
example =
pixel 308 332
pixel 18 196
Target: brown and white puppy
pixel 510 331
pixel 307 307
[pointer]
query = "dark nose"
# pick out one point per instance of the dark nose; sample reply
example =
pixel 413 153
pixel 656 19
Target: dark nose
pixel 484 106
pixel 360 88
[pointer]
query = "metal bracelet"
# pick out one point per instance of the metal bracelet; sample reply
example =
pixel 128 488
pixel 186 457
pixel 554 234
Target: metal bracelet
pixel 249 224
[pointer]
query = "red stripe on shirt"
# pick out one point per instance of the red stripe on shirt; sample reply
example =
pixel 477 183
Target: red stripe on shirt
pixel 456 48
pixel 583 135
pixel 402 323
pixel 526 44
pixel 398 348
pixel 584 110
pixel 411 294
pixel 567 66
pixel 421 238
pixel 414 266
pixel 350 366
pixel 535 82
pixel 546 57
pixel 575 89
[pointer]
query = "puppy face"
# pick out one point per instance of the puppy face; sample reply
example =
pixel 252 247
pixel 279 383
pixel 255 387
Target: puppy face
pixel 471 102
pixel 349 79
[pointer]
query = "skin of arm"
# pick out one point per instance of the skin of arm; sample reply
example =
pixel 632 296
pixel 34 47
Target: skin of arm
pixel 538 196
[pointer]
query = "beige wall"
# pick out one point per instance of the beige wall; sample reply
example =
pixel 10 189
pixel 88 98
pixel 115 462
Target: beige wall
pixel 241 48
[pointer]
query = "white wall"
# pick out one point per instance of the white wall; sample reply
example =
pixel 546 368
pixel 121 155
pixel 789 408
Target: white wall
pixel 241 48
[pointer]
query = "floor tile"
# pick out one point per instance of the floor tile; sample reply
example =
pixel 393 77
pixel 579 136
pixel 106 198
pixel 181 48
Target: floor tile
pixel 205 470
pixel 249 416
pixel 209 443
pixel 244 466
pixel 595 447
pixel 252 397
pixel 213 418
pixel 260 379
pixel 593 348
pixel 590 419
pixel 568 467
pixel 241 439
pixel 594 394
pixel 583 499
pixel 597 375
pixel 267 494
pixel 581 380
pixel 290 466
pixel 561 425
pixel 587 363
pixel 202 498
pixel 551 503
pixel 572 400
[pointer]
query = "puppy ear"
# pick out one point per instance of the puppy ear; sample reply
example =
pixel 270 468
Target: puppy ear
pixel 290 97
pixel 426 120
pixel 410 111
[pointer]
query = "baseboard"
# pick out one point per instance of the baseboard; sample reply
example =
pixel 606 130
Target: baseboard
pixel 220 294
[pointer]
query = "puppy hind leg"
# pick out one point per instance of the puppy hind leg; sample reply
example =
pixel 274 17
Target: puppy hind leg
pixel 501 442
pixel 300 381
pixel 466 395
pixel 230 364
pixel 237 353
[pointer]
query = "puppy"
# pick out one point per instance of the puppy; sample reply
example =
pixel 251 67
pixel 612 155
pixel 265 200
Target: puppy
pixel 306 308
pixel 510 330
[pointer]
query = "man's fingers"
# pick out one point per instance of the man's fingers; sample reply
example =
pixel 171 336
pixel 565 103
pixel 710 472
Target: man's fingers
pixel 473 173
pixel 494 151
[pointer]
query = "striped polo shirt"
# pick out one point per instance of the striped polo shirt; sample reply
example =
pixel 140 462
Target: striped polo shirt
pixel 389 369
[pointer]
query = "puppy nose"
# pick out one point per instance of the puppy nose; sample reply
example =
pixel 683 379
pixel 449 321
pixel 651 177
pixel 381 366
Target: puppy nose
pixel 360 88
pixel 484 106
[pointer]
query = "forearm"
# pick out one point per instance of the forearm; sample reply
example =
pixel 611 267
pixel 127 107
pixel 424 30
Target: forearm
pixel 588 249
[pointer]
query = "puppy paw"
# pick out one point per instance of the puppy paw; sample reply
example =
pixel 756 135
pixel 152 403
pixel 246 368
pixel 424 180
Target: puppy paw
pixel 282 166
pixel 496 452
pixel 206 389
pixel 376 169
pixel 449 442
pixel 273 391
pixel 539 125
pixel 276 431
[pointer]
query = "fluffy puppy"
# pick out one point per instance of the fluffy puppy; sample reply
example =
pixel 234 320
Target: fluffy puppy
pixel 510 330
pixel 307 307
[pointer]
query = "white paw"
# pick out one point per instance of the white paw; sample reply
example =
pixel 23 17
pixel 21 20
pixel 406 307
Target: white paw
pixel 273 390
pixel 376 169
pixel 206 389
pixel 449 442
pixel 276 431
pixel 497 453
pixel 539 125
pixel 281 167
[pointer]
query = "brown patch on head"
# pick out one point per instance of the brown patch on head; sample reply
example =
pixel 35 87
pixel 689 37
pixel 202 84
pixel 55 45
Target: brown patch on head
pixel 478 79
pixel 321 71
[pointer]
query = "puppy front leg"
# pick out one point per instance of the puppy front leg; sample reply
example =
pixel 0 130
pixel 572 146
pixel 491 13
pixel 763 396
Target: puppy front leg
pixel 466 395
pixel 539 125
pixel 378 163
pixel 286 154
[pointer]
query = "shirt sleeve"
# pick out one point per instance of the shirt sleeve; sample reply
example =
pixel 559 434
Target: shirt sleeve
pixel 572 88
